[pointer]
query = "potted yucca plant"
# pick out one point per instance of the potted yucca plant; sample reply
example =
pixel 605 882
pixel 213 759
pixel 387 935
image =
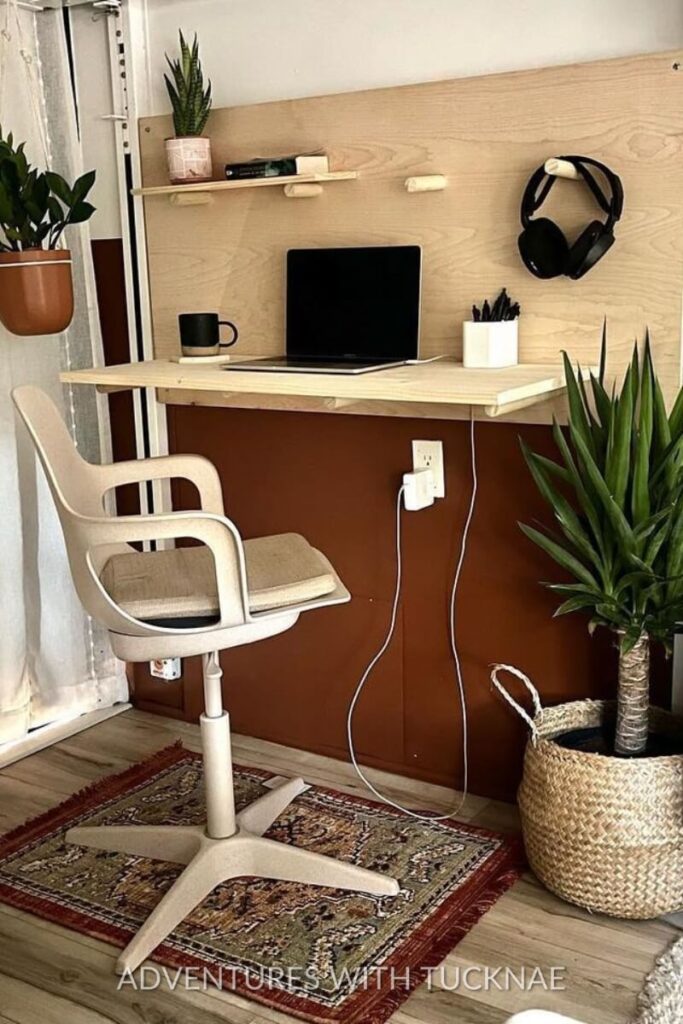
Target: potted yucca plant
pixel 621 537
pixel 601 798
pixel 36 293
pixel 188 152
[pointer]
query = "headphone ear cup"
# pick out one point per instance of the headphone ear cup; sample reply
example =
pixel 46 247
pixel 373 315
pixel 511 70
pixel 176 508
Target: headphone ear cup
pixel 589 247
pixel 543 248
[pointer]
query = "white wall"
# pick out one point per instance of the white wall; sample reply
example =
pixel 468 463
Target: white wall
pixel 256 50
pixel 94 92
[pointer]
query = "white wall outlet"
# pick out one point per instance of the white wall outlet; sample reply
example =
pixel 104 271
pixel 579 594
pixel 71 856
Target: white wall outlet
pixel 429 455
pixel 166 668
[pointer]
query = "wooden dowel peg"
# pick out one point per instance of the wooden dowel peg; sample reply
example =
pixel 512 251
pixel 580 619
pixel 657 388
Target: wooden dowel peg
pixel 560 168
pixel 302 191
pixel 190 198
pixel 426 183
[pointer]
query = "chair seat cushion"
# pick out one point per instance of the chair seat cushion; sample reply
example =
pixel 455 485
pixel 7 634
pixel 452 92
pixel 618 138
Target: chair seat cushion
pixel 180 583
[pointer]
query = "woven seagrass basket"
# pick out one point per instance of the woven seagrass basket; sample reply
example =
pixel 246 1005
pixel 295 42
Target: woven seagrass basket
pixel 605 833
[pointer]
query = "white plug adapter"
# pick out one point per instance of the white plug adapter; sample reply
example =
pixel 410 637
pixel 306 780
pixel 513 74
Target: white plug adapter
pixel 418 490
pixel 429 455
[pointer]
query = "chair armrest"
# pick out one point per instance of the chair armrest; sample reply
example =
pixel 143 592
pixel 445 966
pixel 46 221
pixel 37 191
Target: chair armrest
pixel 195 468
pixel 218 533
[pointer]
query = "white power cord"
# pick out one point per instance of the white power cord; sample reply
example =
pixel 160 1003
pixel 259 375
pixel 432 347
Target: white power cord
pixel 423 362
pixel 454 651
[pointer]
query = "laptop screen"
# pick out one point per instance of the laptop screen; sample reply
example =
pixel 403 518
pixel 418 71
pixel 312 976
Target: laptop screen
pixel 354 303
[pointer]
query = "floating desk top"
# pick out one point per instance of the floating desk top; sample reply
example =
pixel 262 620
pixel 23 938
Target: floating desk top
pixel 438 389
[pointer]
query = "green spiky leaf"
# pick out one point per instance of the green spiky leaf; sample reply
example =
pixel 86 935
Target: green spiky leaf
pixel 617 499
pixel 563 557
pixel 190 99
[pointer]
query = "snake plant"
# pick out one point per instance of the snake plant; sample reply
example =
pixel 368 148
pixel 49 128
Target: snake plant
pixel 616 493
pixel 191 102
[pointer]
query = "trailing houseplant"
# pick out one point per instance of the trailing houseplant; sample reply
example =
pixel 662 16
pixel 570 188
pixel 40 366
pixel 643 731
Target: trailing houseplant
pixel 36 294
pixel 617 498
pixel 189 152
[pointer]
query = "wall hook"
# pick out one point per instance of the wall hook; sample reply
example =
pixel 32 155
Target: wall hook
pixel 303 190
pixel 426 183
pixel 560 168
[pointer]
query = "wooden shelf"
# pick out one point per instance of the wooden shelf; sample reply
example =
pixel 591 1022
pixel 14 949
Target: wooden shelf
pixel 207 188
pixel 439 389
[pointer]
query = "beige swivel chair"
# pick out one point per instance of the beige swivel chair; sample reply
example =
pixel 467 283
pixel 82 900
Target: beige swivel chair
pixel 176 603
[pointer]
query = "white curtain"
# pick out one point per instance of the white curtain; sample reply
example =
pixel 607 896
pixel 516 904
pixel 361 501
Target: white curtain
pixel 55 662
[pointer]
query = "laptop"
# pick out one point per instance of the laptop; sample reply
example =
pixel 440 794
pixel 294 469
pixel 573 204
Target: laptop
pixel 348 310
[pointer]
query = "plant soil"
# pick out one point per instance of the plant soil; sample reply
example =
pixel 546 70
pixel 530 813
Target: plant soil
pixel 600 740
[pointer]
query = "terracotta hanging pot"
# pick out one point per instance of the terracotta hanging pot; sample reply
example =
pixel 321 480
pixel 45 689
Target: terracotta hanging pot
pixel 36 291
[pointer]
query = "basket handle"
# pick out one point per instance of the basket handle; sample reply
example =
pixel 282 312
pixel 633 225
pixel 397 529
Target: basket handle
pixel 538 708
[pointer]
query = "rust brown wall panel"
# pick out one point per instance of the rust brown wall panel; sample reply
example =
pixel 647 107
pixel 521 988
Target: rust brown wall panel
pixel 503 615
pixel 111 299
pixel 159 694
pixel 295 688
pixel 334 479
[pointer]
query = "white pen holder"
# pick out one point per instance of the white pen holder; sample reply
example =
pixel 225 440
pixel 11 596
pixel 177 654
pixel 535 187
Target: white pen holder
pixel 489 344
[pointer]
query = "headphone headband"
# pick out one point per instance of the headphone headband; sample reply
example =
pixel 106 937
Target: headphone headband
pixel 615 205
pixel 533 199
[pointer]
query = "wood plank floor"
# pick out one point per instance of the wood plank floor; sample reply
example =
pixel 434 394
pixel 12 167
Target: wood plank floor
pixel 52 975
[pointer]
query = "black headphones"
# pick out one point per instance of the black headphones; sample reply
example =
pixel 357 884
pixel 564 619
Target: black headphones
pixel 542 244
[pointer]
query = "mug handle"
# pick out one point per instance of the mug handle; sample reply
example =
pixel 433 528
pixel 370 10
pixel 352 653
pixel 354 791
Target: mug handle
pixel 235 333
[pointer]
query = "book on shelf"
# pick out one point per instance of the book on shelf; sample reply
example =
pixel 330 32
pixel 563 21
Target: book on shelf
pixel 278 167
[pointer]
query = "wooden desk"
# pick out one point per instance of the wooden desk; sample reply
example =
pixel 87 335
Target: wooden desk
pixel 439 390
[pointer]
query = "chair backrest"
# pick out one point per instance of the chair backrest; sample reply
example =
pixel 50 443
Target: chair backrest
pixel 77 489
pixel 74 488
pixel 69 476
pixel 91 536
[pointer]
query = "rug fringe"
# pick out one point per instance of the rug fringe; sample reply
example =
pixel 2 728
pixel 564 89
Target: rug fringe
pixel 513 867
pixel 90 794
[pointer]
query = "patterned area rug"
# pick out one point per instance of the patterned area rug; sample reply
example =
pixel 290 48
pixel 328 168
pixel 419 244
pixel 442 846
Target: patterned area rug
pixel 317 953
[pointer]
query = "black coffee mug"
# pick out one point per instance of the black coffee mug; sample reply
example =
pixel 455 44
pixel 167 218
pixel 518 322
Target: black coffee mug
pixel 200 334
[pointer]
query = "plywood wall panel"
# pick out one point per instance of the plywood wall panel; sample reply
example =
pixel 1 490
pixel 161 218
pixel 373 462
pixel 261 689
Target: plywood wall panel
pixel 487 135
